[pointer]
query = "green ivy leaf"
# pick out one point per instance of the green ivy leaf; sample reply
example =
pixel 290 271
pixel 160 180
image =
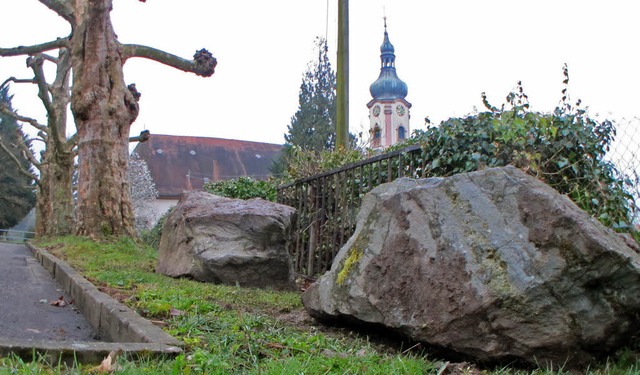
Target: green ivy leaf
pixel 562 163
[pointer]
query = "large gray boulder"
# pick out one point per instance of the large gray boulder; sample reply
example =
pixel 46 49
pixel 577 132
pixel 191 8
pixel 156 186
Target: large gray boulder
pixel 229 241
pixel 493 264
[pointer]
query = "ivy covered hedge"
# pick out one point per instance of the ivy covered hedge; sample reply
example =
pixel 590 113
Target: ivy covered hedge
pixel 243 188
pixel 566 149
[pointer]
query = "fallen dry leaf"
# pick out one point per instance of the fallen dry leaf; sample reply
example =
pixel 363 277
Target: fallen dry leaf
pixel 60 302
pixel 107 364
pixel 275 345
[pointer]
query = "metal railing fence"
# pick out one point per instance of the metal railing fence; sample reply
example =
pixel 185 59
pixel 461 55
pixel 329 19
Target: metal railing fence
pixel 15 236
pixel 327 203
pixel 625 154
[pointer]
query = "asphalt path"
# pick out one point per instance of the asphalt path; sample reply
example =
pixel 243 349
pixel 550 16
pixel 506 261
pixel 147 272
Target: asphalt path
pixel 26 295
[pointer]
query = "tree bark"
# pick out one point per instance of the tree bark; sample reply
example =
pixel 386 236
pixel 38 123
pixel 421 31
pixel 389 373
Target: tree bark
pixel 60 152
pixel 104 109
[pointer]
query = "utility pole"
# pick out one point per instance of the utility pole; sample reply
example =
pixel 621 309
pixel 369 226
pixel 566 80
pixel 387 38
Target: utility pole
pixel 342 95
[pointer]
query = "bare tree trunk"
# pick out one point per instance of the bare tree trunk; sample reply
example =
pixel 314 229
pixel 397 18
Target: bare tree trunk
pixel 104 109
pixel 61 220
pixel 56 195
pixel 61 153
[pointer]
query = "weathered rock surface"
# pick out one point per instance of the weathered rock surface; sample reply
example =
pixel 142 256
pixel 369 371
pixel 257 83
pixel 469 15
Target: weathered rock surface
pixel 493 264
pixel 229 241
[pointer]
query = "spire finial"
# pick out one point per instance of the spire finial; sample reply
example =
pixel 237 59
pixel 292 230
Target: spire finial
pixel 385 22
pixel 384 16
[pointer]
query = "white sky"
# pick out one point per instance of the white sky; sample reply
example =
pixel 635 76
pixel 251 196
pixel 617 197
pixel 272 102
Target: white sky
pixel 447 52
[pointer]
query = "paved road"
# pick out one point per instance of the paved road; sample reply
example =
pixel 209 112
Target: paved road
pixel 26 290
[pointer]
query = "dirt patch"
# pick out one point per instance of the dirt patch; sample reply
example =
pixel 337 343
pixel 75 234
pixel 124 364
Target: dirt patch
pixel 297 318
pixel 121 295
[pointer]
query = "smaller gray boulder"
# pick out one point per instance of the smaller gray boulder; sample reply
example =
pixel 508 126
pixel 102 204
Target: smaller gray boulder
pixel 228 241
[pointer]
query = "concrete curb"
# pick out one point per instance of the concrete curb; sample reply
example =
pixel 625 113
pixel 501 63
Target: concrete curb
pixel 122 327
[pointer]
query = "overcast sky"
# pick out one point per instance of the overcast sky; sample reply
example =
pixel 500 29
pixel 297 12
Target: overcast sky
pixel 448 53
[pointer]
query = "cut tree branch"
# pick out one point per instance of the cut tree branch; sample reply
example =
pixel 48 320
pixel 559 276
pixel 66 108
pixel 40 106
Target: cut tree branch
pixel 143 137
pixel 203 63
pixel 37 48
pixel 17 80
pixel 35 63
pixel 49 58
pixel 64 8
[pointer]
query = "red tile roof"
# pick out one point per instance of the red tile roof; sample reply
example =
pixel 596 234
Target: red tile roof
pixel 179 163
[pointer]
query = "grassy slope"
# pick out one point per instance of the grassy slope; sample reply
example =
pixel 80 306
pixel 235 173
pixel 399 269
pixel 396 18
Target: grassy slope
pixel 233 330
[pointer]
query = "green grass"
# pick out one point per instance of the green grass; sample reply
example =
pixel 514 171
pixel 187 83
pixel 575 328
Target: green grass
pixel 233 330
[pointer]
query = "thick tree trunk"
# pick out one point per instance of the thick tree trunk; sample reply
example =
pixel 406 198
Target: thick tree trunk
pixel 104 109
pixel 60 150
pixel 59 153
pixel 61 195
pixel 54 205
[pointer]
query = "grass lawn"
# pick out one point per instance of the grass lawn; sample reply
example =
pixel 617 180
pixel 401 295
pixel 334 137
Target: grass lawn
pixel 234 330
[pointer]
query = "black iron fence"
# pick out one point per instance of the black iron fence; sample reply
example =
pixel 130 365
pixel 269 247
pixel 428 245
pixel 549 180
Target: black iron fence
pixel 328 203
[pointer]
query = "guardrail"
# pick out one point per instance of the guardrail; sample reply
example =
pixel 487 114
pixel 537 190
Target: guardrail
pixel 15 236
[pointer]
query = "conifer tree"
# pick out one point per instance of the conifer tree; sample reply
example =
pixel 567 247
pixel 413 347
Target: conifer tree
pixel 313 125
pixel 17 195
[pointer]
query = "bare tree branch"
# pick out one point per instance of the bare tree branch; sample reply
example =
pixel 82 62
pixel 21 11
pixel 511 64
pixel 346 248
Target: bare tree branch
pixel 49 58
pixel 37 48
pixel 29 120
pixel 60 97
pixel 16 80
pixel 43 138
pixel 64 8
pixel 18 164
pixel 35 63
pixel 28 154
pixel 143 137
pixel 203 63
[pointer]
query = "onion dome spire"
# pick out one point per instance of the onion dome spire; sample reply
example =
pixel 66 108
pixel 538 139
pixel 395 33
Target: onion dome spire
pixel 388 85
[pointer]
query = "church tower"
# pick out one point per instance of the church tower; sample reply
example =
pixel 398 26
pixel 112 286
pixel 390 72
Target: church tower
pixel 388 110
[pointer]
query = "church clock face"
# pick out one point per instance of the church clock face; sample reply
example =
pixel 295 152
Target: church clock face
pixel 376 111
pixel 400 110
